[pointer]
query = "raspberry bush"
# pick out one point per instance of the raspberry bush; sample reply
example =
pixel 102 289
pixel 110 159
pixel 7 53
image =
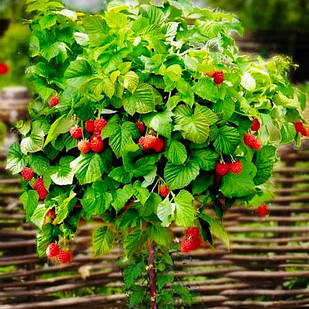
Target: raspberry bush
pixel 145 117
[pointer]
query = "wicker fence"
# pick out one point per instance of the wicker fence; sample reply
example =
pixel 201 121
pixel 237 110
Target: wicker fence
pixel 267 266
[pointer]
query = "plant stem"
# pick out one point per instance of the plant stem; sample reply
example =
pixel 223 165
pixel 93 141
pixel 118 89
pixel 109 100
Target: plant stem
pixel 152 277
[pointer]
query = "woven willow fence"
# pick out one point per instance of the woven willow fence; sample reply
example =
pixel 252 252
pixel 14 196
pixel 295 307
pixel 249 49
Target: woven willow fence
pixel 267 266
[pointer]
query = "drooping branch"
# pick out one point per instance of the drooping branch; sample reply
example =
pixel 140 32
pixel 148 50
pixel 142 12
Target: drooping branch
pixel 152 277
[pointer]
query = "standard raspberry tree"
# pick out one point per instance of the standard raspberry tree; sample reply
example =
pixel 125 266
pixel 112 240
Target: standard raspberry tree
pixel 144 118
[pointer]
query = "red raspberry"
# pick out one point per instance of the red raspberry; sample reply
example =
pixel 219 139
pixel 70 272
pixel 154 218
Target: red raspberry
pixel 141 127
pixel 4 69
pixel 222 168
pixel 40 188
pixel 52 250
pixel 164 190
pixel 256 145
pixel 193 232
pixel 255 126
pixel 27 173
pixel 218 77
pixel 65 257
pixel 99 125
pixel 190 243
pixel 84 146
pixel 53 101
pixel 96 143
pixel 307 131
pixel 263 211
pixel 236 167
pixel 147 142
pixel 158 144
pixel 51 213
pixel 249 139
pixel 300 128
pixel 89 126
pixel 76 132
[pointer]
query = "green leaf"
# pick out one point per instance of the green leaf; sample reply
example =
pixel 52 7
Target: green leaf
pixel 38 215
pixel 264 162
pixel 34 142
pixel 174 72
pixel 131 81
pixel 96 200
pixel 288 133
pixel 43 239
pixel 62 173
pixel 160 235
pixel 141 101
pixel 165 211
pixel 64 207
pixel 30 200
pixel 88 167
pixel 102 240
pixel 121 197
pixel 177 153
pixel 60 126
pixel 121 175
pixel 120 136
pixel 160 122
pixel 194 126
pixel 239 185
pixel 134 241
pixel 77 73
pixel 54 50
pixel 185 212
pixel 227 140
pixel 16 161
pixel 179 176
pixel 216 228
pixel 132 272
pixel 206 159
pixel 207 89
pixel 39 164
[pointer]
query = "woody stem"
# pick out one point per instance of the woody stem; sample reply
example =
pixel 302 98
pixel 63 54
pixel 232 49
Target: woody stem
pixel 152 277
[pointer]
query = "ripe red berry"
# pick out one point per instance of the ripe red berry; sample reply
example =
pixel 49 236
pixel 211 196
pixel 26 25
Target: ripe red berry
pixel 52 250
pixel 53 101
pixel 218 77
pixel 190 243
pixel 257 145
pixel 222 168
pixel 255 126
pixel 4 69
pixel 141 127
pixel 65 257
pixel 236 167
pixel 40 188
pixel 27 173
pixel 193 232
pixel 164 190
pixel 263 210
pixel 147 142
pixel 158 144
pixel 84 146
pixel 96 143
pixel 300 128
pixel 89 126
pixel 251 141
pixel 99 125
pixel 76 132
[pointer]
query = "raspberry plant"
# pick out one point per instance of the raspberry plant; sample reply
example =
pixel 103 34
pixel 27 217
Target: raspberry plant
pixel 145 117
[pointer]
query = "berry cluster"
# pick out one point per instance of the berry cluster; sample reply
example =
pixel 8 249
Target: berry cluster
pixel 39 187
pixel 222 168
pixel 300 128
pixel 218 76
pixel 63 256
pixel 252 141
pixel 49 217
pixel 263 210
pixel 192 240
pixel 164 190
pixel 96 143
pixel 149 142
pixel 4 69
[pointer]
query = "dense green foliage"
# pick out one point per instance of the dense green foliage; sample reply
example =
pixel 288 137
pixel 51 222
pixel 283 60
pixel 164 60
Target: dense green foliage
pixel 146 63
pixel 266 14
